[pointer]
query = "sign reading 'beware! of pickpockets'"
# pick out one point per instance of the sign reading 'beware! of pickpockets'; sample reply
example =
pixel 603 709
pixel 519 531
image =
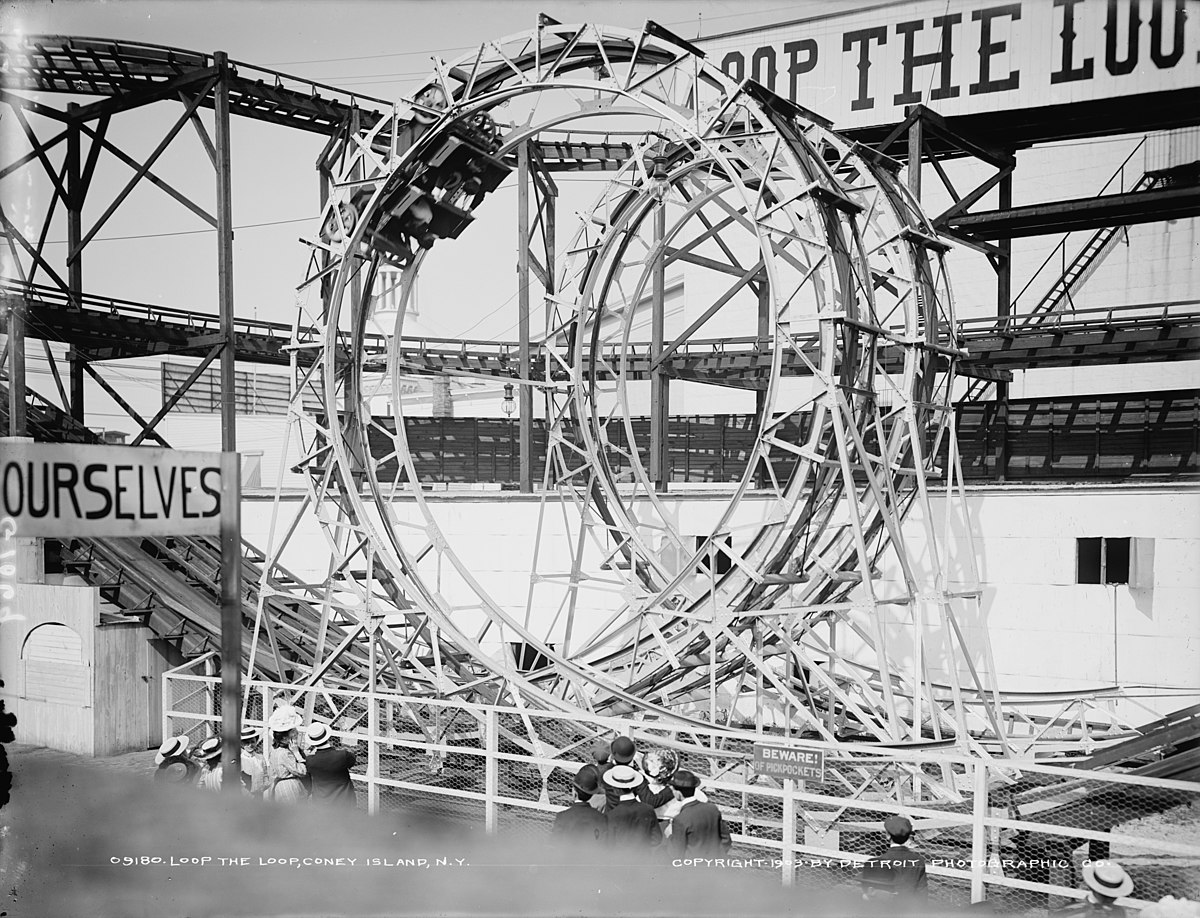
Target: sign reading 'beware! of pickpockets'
pixel 78 490
pixel 781 762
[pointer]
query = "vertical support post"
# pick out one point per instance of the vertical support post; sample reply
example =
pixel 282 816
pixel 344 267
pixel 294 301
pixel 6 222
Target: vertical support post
pixel 268 697
pixel 491 770
pixel 372 733
pixel 979 809
pixel 758 675
pixel 16 367
pixel 830 716
pixel 525 394
pixel 225 254
pixel 789 831
pixel 761 478
pixel 1003 311
pixel 74 204
pixel 165 708
pixel 231 496
pixel 660 470
pixel 916 148
pixel 210 706
pixel 231 623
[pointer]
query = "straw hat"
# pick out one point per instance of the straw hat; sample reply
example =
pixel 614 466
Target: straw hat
pixel 1108 878
pixel 210 748
pixel 319 736
pixel 249 734
pixel 176 745
pixel 623 777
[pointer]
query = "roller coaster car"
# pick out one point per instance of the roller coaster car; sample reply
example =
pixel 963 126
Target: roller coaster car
pixel 460 163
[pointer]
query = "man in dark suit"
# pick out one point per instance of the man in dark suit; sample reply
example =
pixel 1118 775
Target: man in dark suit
pixel 329 768
pixel 580 821
pixel 901 870
pixel 699 830
pixel 631 823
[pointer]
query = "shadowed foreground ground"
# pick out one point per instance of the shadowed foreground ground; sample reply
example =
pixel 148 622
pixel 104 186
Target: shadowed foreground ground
pixel 70 818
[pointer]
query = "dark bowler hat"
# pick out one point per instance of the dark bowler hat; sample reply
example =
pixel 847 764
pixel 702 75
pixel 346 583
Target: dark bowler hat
pixel 623 750
pixel 683 779
pixel 586 780
pixel 897 826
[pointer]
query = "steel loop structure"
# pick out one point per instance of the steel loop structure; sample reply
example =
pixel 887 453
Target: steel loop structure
pixel 798 607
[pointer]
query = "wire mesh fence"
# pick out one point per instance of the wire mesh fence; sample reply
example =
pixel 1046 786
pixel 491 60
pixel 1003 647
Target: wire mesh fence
pixel 1014 833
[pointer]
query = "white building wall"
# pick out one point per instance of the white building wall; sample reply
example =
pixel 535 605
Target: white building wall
pixel 1047 632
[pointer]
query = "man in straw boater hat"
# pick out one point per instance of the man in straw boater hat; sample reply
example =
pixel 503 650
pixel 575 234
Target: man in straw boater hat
pixel 698 830
pixel 210 753
pixel 631 822
pixel 329 768
pixel 1107 882
pixel 580 821
pixel 175 766
pixel 901 870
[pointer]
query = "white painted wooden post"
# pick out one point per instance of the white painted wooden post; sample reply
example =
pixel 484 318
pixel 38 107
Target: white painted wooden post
pixel 491 769
pixel 789 832
pixel 979 810
pixel 268 696
pixel 373 753
pixel 167 730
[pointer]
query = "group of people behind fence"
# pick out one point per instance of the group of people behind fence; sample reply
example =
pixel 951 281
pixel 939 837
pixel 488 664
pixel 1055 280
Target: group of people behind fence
pixel 638 807
pixel 293 770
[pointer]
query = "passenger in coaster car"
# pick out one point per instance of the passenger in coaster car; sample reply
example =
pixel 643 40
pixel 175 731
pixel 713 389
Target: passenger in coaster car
pixel 427 103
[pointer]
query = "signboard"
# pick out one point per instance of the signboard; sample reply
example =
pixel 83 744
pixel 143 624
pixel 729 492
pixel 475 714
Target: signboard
pixel 782 762
pixel 967 56
pixel 68 489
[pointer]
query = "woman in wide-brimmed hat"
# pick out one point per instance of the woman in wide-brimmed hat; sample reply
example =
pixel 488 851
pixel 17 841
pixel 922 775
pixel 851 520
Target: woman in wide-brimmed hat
pixel 287 778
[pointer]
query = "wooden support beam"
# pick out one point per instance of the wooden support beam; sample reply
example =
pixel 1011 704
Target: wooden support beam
pixel 119 399
pixel 178 393
pixel 525 363
pixel 141 172
pixel 224 247
pixel 149 176
pixel 660 394
pixel 158 91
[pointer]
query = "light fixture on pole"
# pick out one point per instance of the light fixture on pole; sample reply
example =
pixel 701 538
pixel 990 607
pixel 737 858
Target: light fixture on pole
pixel 509 405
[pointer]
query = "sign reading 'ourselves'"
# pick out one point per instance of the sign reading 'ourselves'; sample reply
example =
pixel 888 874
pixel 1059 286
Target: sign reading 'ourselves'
pixel 52 489
pixel 782 762
pixel 967 56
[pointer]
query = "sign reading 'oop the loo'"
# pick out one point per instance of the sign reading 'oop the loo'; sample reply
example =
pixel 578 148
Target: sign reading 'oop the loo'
pixel 65 490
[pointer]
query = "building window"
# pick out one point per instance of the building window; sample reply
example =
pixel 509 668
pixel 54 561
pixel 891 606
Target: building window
pixel 1102 560
pixel 721 553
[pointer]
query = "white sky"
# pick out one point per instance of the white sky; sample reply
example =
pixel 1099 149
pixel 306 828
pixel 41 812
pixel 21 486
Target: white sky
pixel 154 250
pixel 377 48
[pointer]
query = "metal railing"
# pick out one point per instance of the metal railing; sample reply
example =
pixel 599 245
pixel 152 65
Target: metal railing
pixel 1011 832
